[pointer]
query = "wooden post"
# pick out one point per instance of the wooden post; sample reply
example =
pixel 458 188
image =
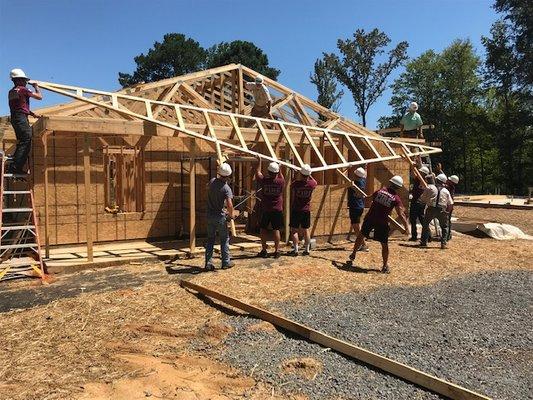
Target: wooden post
pixel 46 204
pixel 88 203
pixel 192 197
pixel 287 196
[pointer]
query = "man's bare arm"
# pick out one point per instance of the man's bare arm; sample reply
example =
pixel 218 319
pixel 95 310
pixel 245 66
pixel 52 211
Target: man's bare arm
pixel 229 207
pixel 258 173
pixel 37 95
pixel 401 213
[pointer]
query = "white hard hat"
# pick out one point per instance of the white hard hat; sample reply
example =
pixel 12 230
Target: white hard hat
pixel 224 169
pixel 454 179
pixel 305 170
pixel 413 106
pixel 17 73
pixel 273 167
pixel 360 172
pixel 259 79
pixel 424 170
pixel 396 180
pixel 441 177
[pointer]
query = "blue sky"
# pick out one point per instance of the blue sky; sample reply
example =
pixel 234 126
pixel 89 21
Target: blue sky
pixel 86 43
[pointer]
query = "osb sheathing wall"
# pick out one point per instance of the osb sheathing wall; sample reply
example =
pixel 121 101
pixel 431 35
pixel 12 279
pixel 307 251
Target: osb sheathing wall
pixel 166 212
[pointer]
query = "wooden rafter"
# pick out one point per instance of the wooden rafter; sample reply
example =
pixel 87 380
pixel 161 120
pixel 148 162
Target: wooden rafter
pixel 215 120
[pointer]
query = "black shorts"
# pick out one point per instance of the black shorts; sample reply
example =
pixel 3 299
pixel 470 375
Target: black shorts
pixel 300 219
pixel 381 231
pixel 355 215
pixel 272 218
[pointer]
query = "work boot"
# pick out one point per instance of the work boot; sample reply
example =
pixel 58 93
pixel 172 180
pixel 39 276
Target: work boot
pixel 262 254
pixel 209 267
pixel 413 239
pixel 276 254
pixel 364 248
pixel 349 263
pixel 385 269
pixel 443 246
pixel 422 244
pixel 228 265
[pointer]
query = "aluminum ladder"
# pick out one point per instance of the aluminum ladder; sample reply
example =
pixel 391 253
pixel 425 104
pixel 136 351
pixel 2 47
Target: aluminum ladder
pixel 20 249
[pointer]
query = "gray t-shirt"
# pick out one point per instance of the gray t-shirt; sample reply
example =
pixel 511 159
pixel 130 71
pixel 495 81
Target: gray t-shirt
pixel 217 194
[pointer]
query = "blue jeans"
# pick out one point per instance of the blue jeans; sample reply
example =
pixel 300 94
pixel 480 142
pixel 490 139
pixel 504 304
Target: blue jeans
pixel 217 224
pixel 23 132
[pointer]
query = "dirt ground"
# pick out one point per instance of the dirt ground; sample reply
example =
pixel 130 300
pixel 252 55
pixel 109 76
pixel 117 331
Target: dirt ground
pixel 126 332
pixel 518 218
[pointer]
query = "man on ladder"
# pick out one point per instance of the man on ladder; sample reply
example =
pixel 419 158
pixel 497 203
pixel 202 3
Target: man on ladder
pixel 19 106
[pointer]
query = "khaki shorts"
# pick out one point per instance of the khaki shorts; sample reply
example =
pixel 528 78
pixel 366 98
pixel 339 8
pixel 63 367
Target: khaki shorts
pixel 261 111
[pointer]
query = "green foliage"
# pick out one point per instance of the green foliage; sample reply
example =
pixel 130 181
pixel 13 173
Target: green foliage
pixel 356 67
pixel 241 52
pixel 325 81
pixel 176 55
pixel 519 15
pixel 179 55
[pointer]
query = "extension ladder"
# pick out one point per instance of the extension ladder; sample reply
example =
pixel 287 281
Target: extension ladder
pixel 20 249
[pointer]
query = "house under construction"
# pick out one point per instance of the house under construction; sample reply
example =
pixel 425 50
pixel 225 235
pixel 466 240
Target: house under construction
pixel 134 164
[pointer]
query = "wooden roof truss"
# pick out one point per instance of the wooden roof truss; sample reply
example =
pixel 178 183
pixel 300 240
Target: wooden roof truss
pixel 195 109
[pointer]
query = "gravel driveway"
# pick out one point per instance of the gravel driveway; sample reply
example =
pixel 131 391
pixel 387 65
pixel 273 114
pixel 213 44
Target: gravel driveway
pixel 476 331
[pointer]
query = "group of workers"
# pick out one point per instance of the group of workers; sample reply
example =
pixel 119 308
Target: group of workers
pixel 433 202
pixel 429 200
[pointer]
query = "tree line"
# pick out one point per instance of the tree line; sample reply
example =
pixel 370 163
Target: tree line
pixel 481 106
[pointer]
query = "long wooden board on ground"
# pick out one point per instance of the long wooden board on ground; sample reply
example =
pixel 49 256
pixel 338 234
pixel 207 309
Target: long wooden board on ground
pixel 398 369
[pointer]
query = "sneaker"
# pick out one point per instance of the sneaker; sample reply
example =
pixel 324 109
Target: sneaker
pixel 276 254
pixel 305 253
pixel 228 265
pixel 262 254
pixel 413 239
pixel 423 245
pixel 364 248
pixel 385 269
pixel 292 253
pixel 443 246
pixel 209 267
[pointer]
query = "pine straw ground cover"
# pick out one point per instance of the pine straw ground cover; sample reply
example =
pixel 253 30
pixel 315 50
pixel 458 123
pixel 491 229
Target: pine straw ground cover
pixel 51 351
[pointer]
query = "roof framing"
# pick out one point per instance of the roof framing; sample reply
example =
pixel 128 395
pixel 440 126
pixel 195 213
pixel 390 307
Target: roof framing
pixel 212 125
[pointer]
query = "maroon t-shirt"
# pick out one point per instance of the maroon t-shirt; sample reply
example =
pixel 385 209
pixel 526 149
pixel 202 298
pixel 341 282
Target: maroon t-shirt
pixel 417 191
pixel 272 193
pixel 19 99
pixel 384 201
pixel 301 194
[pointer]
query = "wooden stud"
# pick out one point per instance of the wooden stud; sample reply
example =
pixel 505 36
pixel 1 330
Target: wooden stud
pixel 88 202
pixel 192 196
pixel 46 200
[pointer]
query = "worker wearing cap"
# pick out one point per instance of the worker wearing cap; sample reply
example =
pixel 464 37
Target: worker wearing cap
pixel 219 209
pixel 453 180
pixel 439 202
pixel 19 106
pixel 272 205
pixel 383 202
pixel 356 203
pixel 262 98
pixel 416 208
pixel 301 191
pixel 411 123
